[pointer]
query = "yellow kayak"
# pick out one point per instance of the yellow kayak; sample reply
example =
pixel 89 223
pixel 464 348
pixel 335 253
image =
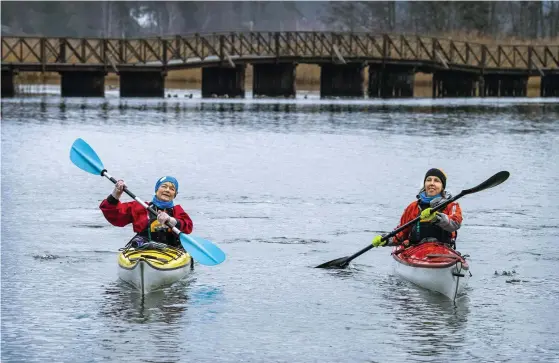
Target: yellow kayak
pixel 153 265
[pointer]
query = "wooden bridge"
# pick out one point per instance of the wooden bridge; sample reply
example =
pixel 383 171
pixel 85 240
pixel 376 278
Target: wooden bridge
pixel 460 69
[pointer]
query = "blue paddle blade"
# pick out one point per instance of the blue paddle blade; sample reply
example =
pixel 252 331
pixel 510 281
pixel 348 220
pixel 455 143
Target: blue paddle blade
pixel 85 158
pixel 202 250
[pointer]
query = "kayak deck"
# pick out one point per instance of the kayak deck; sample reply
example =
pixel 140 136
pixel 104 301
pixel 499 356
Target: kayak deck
pixel 153 266
pixel 167 258
pixel 429 255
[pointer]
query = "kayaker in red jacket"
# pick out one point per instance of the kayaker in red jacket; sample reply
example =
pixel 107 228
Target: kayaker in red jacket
pixel 441 226
pixel 121 214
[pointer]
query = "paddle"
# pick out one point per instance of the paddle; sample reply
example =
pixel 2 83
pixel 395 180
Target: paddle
pixel 489 183
pixel 201 250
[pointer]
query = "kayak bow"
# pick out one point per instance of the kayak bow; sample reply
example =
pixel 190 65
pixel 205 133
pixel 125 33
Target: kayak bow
pixel 153 266
pixel 433 266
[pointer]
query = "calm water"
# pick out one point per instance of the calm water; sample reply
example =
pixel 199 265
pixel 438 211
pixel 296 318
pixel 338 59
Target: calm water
pixel 281 186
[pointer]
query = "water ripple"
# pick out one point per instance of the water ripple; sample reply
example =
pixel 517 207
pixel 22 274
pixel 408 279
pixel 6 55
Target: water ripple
pixel 281 186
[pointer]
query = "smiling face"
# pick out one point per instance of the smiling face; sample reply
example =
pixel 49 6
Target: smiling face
pixel 166 192
pixel 433 186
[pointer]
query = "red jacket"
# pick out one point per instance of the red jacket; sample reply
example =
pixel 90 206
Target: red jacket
pixel 121 214
pixel 452 210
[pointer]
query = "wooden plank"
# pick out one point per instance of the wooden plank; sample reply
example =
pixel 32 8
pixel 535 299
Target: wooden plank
pixel 54 51
pixel 488 53
pixel 267 44
pixel 424 47
pixel 537 56
pixel 326 44
pixel 504 54
pixel 470 51
pixel 550 53
pixel 31 50
pixel 376 45
pixel 362 46
pixel 147 46
pixel 407 44
pixel 192 48
pixel 134 50
pixel 74 51
pixel 94 52
pixel 457 51
pixel 285 47
pixel 516 50
pixel 392 46
pixel 440 53
pixel 11 50
pixel 307 46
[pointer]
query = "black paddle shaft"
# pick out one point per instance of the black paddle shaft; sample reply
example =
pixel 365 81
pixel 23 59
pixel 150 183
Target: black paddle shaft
pixel 489 183
pixel 404 226
pixel 149 208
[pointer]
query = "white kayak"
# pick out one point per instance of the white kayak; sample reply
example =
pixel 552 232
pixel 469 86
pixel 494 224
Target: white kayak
pixel 433 266
pixel 153 266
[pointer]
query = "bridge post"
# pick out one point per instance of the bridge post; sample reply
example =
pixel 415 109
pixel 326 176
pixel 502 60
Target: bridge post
pixel 82 84
pixel 142 84
pixel 549 85
pixel 274 80
pixel 223 81
pixel 513 86
pixel 454 84
pixel 505 85
pixel 341 80
pixel 8 87
pixel 491 85
pixel 391 81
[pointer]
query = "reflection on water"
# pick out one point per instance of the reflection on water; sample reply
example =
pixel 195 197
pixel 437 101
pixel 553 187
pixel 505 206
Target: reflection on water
pixel 127 304
pixel 286 184
pixel 152 327
pixel 430 116
pixel 431 324
pixel 122 301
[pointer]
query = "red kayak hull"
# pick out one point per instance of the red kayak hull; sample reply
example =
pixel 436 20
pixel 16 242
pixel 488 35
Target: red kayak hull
pixel 428 255
pixel 433 266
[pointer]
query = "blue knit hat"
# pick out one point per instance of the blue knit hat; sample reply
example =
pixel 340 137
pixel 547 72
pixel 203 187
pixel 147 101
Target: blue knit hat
pixel 167 179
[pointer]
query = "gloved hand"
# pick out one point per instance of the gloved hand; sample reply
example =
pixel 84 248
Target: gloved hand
pixel 163 217
pixel 119 188
pixel 378 242
pixel 428 216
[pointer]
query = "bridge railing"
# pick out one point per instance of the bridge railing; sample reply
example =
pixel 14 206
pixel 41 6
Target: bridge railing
pixel 182 50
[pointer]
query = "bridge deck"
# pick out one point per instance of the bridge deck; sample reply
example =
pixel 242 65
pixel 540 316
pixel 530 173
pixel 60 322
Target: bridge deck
pixel 34 54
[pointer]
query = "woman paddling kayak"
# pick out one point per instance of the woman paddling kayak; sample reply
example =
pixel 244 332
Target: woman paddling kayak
pixel 441 226
pixel 424 253
pixel 148 227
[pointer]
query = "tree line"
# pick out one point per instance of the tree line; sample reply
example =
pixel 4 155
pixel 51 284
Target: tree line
pixel 116 19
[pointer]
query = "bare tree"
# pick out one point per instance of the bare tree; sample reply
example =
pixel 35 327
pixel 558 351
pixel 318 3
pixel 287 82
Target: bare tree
pixel 527 19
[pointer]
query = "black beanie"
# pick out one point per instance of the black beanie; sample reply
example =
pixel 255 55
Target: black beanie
pixel 438 173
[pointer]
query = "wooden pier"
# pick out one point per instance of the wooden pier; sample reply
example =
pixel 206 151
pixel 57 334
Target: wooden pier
pixel 459 69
